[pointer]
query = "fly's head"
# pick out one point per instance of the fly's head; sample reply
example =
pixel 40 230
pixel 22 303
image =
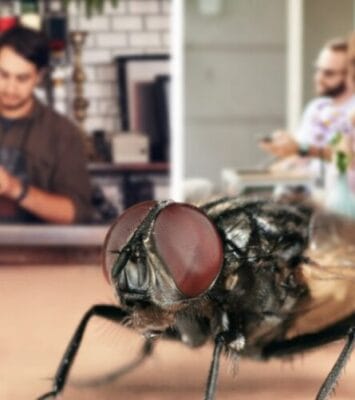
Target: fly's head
pixel 160 257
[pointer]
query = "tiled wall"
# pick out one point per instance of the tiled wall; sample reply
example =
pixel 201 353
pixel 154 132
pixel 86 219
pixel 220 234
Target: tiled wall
pixel 135 27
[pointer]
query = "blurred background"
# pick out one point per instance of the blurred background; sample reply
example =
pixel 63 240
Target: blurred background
pixel 248 70
pixel 109 74
pixel 109 63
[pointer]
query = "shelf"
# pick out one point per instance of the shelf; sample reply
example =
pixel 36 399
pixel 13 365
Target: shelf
pixel 107 168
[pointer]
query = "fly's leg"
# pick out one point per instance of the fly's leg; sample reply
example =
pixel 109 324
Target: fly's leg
pixel 333 376
pixel 145 352
pixel 214 368
pixel 310 340
pixel 305 342
pixel 105 311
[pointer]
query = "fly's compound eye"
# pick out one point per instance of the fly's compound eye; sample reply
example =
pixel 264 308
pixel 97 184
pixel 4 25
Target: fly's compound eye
pixel 121 231
pixel 190 247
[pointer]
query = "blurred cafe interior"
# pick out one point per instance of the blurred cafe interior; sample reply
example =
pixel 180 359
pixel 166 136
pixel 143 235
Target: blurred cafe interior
pixel 255 76
pixel 250 69
pixel 108 77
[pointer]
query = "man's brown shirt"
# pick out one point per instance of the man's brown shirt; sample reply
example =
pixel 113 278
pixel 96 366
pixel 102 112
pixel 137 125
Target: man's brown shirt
pixel 53 155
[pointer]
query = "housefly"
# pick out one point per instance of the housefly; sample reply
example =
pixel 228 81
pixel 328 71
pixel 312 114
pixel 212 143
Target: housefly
pixel 258 278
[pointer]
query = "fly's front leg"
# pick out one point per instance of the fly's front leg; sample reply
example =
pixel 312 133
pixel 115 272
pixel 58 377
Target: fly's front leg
pixel 214 368
pixel 145 352
pixel 105 311
pixel 333 376
pixel 231 339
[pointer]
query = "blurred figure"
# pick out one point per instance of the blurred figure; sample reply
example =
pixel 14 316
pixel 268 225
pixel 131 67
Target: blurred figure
pixel 325 116
pixel 43 174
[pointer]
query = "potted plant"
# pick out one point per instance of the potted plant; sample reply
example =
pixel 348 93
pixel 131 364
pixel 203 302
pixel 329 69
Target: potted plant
pixel 341 199
pixel 92 6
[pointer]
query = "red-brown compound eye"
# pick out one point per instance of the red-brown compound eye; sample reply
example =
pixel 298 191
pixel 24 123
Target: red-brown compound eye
pixel 121 231
pixel 190 247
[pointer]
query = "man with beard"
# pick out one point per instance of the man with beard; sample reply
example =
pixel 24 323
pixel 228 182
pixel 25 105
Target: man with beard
pixel 43 175
pixel 331 112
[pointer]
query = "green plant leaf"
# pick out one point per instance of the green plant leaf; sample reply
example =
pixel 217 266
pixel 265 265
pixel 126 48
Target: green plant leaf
pixel 342 161
pixel 100 6
pixel 92 6
pixel 336 139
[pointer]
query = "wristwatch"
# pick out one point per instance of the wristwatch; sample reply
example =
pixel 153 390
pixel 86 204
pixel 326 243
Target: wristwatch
pixel 303 149
pixel 24 190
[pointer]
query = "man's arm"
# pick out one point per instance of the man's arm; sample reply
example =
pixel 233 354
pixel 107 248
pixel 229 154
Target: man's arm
pixel 282 145
pixel 47 206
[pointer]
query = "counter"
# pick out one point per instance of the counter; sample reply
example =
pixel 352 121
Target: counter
pixel 41 306
pixel 52 235
pixel 54 244
pixel 81 244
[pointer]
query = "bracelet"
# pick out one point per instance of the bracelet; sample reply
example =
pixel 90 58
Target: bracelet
pixel 24 190
pixel 303 149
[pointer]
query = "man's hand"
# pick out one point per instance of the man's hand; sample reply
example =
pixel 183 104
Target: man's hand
pixel 10 186
pixel 48 206
pixel 281 145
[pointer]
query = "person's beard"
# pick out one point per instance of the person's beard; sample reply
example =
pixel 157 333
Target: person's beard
pixel 15 106
pixel 334 91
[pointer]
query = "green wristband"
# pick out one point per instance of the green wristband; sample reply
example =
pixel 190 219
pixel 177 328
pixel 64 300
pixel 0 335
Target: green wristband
pixel 303 149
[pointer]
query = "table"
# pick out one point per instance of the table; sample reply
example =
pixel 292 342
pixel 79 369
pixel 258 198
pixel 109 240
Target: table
pixel 40 306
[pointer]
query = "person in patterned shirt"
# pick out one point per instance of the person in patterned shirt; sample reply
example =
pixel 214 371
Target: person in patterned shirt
pixel 330 113
pixel 325 116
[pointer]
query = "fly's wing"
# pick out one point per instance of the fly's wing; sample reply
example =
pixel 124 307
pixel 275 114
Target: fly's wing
pixel 329 274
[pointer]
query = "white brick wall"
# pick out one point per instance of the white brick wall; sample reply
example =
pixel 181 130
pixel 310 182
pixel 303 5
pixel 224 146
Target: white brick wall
pixel 96 56
pixel 105 73
pixel 143 6
pixel 135 27
pixel 99 90
pixel 145 39
pixel 167 40
pixel 127 23
pixel 95 23
pixel 158 23
pixel 111 40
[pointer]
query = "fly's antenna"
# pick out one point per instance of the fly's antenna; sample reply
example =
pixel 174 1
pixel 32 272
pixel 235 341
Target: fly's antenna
pixel 121 262
pixel 125 253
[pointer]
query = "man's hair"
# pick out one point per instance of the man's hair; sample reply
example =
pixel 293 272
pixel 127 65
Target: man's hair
pixel 337 44
pixel 28 43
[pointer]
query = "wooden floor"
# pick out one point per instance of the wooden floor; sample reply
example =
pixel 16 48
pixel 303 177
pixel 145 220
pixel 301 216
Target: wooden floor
pixel 40 307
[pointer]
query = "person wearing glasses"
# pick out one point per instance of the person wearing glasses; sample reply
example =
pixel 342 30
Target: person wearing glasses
pixel 325 116
pixel 43 176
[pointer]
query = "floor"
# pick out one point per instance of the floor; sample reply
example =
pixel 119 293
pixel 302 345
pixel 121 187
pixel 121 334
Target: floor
pixel 40 307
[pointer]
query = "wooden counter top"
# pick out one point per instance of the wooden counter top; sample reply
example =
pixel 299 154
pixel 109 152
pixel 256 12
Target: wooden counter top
pixel 52 235
pixel 41 305
pixel 51 244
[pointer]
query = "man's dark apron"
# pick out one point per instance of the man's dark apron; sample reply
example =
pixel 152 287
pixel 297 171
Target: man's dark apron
pixel 14 160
